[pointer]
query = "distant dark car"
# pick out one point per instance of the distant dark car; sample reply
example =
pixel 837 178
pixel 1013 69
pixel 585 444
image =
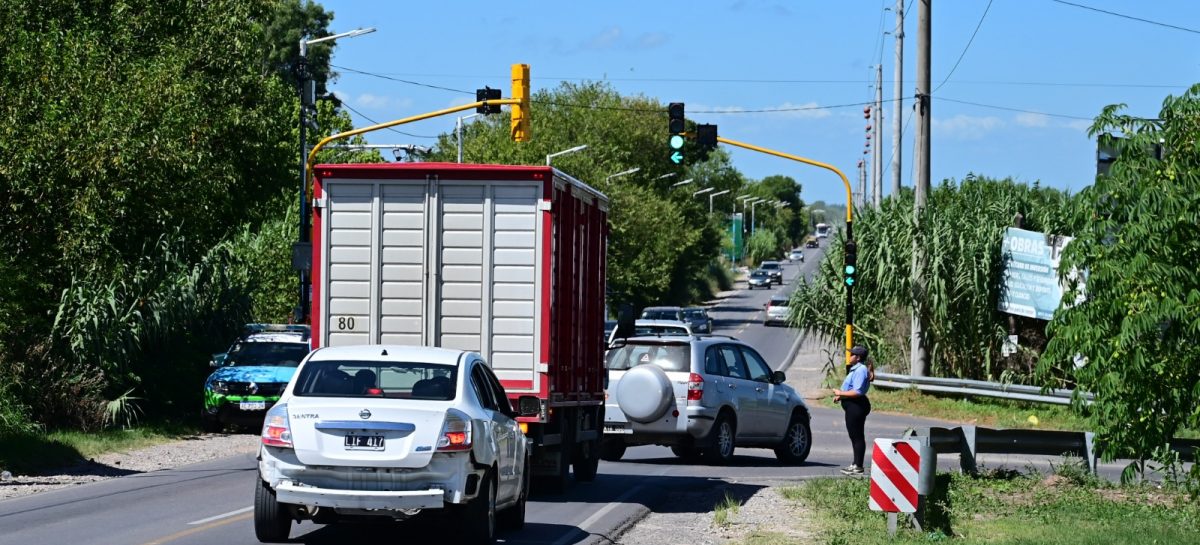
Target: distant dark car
pixel 759 279
pixel 773 268
pixel 698 318
pixel 812 243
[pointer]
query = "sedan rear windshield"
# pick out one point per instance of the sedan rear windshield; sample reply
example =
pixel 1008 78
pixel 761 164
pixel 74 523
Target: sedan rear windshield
pixel 779 302
pixel 670 357
pixel 398 380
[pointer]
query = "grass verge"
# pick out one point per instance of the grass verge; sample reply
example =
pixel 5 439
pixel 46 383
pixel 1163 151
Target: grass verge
pixel 725 510
pixel 1009 508
pixel 990 413
pixel 32 453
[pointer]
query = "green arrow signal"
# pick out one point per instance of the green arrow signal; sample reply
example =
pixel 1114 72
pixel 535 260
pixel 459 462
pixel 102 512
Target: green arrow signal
pixel 849 281
pixel 676 157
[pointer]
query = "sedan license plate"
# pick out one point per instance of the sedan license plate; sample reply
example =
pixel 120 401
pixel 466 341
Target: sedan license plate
pixel 616 428
pixel 253 405
pixel 364 442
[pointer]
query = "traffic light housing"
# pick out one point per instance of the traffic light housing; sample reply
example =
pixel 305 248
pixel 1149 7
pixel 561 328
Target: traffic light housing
pixel 487 93
pixel 706 137
pixel 519 126
pixel 676 127
pixel 851 268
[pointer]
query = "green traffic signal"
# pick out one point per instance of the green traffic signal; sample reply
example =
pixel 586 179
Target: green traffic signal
pixel 676 141
pixel 850 269
pixel 849 280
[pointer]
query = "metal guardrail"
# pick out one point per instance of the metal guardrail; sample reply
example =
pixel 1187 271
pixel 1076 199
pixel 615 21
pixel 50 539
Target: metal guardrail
pixel 970 441
pixel 980 388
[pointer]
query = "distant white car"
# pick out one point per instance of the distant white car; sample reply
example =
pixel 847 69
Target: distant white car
pixel 383 430
pixel 777 310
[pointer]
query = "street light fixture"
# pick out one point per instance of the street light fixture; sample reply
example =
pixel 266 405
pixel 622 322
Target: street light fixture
pixel 564 152
pixel 753 217
pixel 705 190
pixel 711 196
pixel 458 124
pixel 302 250
pixel 685 182
pixel 623 173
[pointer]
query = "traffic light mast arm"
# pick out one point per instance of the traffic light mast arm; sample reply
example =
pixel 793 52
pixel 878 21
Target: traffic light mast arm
pixel 343 135
pixel 849 222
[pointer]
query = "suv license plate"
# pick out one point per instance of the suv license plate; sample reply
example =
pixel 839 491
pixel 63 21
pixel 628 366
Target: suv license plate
pixel 253 405
pixel 616 428
pixel 364 442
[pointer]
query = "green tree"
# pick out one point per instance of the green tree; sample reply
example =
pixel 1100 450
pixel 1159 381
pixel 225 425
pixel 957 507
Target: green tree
pixel 289 21
pixel 1137 323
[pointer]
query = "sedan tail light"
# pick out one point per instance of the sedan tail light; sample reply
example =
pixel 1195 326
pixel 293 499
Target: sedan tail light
pixel 277 430
pixel 695 389
pixel 456 432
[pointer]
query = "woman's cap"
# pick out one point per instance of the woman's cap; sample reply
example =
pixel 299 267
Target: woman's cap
pixel 859 351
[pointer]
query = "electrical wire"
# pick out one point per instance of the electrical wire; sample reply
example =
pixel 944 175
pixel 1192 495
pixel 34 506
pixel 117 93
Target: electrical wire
pixel 1005 108
pixel 409 82
pixel 393 129
pixel 967 47
pixel 1130 17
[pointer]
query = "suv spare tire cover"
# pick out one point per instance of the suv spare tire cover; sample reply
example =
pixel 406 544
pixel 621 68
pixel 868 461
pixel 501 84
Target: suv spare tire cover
pixel 644 393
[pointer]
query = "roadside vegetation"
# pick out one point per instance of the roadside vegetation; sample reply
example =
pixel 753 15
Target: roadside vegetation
pixel 32 452
pixel 1128 333
pixel 1007 507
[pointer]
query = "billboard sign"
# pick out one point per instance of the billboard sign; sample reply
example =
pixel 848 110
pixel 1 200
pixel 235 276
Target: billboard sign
pixel 1030 278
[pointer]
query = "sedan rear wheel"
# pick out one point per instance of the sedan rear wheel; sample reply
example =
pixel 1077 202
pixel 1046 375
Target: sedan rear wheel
pixel 480 520
pixel 513 518
pixel 272 522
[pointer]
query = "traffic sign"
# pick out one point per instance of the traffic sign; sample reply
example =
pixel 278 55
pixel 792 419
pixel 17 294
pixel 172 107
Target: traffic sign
pixel 895 465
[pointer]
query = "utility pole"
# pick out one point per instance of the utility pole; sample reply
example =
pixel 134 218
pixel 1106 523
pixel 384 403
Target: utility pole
pixel 862 183
pixel 897 117
pixel 920 354
pixel 877 168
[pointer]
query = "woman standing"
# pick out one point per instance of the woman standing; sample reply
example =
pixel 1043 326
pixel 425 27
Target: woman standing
pixel 853 397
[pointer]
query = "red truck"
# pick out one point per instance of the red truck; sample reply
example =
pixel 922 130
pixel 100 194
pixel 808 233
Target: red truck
pixel 507 261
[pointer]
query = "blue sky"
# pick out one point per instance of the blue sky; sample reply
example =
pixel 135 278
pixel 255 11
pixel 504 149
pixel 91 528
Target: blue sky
pixel 727 57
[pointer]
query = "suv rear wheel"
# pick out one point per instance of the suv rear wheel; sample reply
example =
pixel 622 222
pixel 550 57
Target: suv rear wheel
pixel 611 450
pixel 721 440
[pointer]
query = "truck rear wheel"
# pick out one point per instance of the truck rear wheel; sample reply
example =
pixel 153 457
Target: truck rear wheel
pixel 587 462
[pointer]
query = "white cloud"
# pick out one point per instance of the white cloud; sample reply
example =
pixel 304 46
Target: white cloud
pixel 965 127
pixel 1030 119
pixel 807 110
pixel 381 102
pixel 1078 124
pixel 650 40
pixel 604 40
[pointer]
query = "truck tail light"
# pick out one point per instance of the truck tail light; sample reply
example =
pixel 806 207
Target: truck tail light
pixel 456 432
pixel 695 387
pixel 277 430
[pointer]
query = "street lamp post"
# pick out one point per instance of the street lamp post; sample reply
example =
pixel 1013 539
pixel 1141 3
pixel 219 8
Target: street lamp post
pixel 302 251
pixel 753 217
pixel 702 191
pixel 685 182
pixel 458 124
pixel 564 152
pixel 622 173
pixel 712 196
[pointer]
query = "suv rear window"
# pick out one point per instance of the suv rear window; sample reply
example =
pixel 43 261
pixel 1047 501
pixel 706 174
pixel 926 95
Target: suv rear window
pixel 779 302
pixel 274 354
pixel 670 357
pixel 660 331
pixel 399 380
pixel 660 315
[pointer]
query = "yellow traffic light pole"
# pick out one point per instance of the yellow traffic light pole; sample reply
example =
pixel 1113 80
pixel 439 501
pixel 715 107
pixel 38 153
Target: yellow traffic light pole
pixel 849 220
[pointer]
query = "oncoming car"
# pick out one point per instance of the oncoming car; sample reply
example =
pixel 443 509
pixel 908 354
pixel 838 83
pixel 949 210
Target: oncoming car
pixel 388 431
pixel 774 269
pixel 759 279
pixel 250 376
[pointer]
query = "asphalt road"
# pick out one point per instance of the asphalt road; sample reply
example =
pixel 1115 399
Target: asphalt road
pixel 211 502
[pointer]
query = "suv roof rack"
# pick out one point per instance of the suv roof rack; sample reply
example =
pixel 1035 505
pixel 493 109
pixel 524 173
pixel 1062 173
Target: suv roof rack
pixel 717 335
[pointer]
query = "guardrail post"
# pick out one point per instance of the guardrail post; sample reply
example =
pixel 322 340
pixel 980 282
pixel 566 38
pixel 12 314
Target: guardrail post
pixel 1089 451
pixel 926 477
pixel 969 450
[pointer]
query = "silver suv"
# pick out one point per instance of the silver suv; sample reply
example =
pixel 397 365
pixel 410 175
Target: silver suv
pixel 702 396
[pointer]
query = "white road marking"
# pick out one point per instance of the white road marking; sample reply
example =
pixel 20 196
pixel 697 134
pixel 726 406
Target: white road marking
pixel 570 537
pixel 222 515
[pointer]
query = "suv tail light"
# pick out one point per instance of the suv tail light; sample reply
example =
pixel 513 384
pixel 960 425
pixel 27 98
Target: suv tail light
pixel 456 432
pixel 277 430
pixel 695 387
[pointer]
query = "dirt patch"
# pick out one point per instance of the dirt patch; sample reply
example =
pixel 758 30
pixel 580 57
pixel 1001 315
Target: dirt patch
pixel 760 511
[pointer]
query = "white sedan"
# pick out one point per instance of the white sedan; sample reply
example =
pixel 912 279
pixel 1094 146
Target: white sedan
pixel 392 430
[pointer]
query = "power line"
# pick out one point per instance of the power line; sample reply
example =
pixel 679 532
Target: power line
pixel 968 46
pixel 1005 108
pixel 409 82
pixel 373 122
pixel 1130 17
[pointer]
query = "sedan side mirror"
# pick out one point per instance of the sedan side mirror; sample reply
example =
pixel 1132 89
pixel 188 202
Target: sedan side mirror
pixel 529 406
pixel 217 360
pixel 778 377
